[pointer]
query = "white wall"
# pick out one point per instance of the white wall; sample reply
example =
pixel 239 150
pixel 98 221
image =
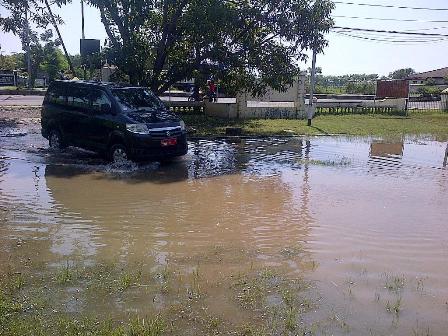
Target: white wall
pixel 274 104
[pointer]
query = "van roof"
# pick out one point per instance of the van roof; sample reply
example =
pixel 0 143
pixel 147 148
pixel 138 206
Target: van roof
pixel 96 83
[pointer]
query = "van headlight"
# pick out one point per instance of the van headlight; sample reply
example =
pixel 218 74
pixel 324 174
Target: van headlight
pixel 182 125
pixel 137 128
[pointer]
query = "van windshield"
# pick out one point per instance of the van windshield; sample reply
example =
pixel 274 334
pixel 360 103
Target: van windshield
pixel 137 99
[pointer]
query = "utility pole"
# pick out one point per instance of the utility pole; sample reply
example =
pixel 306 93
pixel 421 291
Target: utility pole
pixel 27 46
pixel 313 83
pixel 82 20
pixel 1 58
pixel 83 36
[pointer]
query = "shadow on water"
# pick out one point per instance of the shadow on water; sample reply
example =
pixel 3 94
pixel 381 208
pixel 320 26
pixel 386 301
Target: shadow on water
pixel 385 156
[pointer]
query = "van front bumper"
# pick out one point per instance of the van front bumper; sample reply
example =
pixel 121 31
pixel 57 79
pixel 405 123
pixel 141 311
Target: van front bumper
pixel 147 147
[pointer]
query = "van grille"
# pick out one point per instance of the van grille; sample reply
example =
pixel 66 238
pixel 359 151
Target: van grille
pixel 166 132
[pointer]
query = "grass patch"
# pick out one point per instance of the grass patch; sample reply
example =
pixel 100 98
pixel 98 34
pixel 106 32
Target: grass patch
pixel 63 300
pixel 279 300
pixel 327 163
pixel 394 283
pixel 64 325
pixel 8 88
pixel 394 307
pixel 418 123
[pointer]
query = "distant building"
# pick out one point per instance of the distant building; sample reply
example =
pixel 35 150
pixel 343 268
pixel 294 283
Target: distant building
pixel 438 77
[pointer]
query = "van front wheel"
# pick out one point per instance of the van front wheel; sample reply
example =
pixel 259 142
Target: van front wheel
pixel 118 153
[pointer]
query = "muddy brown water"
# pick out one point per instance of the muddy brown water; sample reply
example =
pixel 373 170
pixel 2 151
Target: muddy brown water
pixel 369 218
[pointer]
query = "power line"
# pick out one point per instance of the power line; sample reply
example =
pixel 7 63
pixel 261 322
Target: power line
pixel 388 19
pixel 388 31
pixel 385 40
pixel 433 28
pixel 389 6
pixel 392 37
pixel 383 34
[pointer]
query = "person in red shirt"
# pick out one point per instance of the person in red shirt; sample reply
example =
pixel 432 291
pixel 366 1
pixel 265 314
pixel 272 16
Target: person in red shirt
pixel 211 90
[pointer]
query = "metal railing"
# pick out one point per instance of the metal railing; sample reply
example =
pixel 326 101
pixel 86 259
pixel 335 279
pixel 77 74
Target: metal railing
pixel 185 107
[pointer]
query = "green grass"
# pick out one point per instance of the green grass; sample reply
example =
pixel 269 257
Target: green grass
pixel 394 307
pixel 394 283
pixel 32 304
pixel 418 123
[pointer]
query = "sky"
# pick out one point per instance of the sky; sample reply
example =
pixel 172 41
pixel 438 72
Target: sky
pixel 344 55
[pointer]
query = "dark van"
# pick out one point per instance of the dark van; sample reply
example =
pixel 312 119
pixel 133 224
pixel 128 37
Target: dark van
pixel 122 122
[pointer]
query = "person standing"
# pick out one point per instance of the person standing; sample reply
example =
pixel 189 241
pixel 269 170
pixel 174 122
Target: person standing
pixel 211 90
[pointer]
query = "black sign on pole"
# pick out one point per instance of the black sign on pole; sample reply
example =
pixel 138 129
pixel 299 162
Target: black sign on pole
pixel 89 47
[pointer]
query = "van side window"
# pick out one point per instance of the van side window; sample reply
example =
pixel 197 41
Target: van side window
pixel 78 97
pixel 99 98
pixel 56 95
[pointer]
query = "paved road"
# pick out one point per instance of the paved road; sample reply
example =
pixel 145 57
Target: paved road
pixel 16 100
pixel 9 100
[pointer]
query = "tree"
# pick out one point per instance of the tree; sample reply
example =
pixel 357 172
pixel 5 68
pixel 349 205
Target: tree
pixel 366 88
pixel 24 13
pixel 53 60
pixel 354 83
pixel 245 44
pixel 11 62
pixel 402 73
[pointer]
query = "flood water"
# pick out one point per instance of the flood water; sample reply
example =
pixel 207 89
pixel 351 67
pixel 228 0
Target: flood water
pixel 364 220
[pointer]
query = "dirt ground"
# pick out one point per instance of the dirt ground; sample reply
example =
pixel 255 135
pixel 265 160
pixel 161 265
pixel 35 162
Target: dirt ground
pixel 14 116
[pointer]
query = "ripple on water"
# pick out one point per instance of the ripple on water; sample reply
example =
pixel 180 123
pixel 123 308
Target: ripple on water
pixel 350 210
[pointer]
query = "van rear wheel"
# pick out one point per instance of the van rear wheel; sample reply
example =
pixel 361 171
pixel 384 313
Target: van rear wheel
pixel 55 140
pixel 118 153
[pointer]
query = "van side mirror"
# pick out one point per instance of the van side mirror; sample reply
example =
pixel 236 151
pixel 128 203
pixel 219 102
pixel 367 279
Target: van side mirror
pixel 105 109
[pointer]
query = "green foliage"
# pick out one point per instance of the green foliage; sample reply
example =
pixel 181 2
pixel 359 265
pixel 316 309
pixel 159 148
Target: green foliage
pixel 402 73
pixel 429 90
pixel 321 89
pixel 46 57
pixel 242 44
pixel 15 21
pixel 11 62
pixel 342 81
pixel 353 84
pixel 53 61
pixel 367 88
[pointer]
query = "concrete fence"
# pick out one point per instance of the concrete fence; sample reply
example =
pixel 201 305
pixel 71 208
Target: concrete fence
pixel 289 104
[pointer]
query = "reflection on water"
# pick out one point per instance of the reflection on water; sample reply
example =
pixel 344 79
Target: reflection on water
pixel 361 211
pixel 385 157
pixel 445 160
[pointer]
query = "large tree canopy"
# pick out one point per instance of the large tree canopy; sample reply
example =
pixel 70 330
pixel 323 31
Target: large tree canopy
pixel 246 44
pixel 402 73
pixel 22 14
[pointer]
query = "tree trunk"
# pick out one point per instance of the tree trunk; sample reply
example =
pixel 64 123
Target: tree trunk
pixel 60 38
